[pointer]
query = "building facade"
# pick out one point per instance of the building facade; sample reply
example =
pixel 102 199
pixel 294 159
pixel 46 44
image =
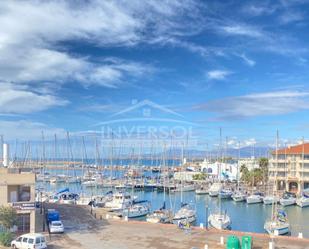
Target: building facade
pixel 290 168
pixel 17 189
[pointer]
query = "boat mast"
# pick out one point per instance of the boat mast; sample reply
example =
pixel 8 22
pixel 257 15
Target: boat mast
pixel 181 179
pixel 237 175
pixel 274 204
pixel 220 166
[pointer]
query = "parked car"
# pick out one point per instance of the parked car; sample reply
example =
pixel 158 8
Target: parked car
pixel 29 241
pixel 56 227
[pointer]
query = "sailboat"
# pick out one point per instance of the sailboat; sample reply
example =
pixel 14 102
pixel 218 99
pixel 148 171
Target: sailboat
pixel 303 200
pixel 137 209
pixel 219 220
pixel 238 195
pixel 161 215
pixel 215 189
pixel 288 199
pixel 186 213
pixel 278 224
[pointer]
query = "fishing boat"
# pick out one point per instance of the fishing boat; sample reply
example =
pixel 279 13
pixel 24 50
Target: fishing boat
pixel 225 194
pixel 255 198
pixel 215 189
pixel 270 199
pixel 303 200
pixel 288 199
pixel 219 221
pixel 185 214
pixel 136 209
pixel 279 225
pixel 239 196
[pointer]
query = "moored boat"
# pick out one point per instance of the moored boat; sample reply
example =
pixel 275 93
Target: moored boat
pixel 270 199
pixel 239 196
pixel 219 221
pixel 303 200
pixel 255 198
pixel 288 199
pixel 185 214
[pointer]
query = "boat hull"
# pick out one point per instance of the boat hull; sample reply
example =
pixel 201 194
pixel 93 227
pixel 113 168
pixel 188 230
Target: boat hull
pixel 219 221
pixel 277 229
pixel 303 202
pixel 287 202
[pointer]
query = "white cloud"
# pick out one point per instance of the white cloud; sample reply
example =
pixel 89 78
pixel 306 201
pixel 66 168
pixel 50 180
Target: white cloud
pixel 21 100
pixel 26 130
pixel 248 61
pixel 242 30
pixel 32 34
pixel 259 104
pixel 218 74
pixel 290 16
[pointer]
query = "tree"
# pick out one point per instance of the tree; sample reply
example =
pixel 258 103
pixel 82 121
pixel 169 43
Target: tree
pixel 8 217
pixel 263 163
pixel 200 177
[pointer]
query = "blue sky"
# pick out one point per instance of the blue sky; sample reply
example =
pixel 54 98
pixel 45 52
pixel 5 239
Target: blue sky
pixel 239 65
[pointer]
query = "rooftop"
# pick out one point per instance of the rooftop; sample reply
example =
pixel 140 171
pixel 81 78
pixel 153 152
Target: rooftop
pixel 294 150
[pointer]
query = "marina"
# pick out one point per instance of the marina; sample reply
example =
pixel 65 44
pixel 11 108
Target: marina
pixel 245 216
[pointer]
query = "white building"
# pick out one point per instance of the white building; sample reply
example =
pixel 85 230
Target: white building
pixel 229 170
pixel 251 163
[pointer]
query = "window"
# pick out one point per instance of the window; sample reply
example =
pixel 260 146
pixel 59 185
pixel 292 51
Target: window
pixel 25 239
pixel 19 239
pixel 37 240
pixel 42 239
pixel 23 223
pixel 30 241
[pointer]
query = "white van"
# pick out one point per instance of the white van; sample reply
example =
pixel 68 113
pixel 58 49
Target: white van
pixel 29 241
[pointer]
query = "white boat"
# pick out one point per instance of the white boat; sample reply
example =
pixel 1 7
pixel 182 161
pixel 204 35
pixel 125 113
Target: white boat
pixel 84 200
pixel 119 201
pixel 270 199
pixel 239 196
pixel 215 189
pixel 185 214
pixel 185 188
pixel 288 199
pixel 279 225
pixel 73 179
pixel 53 180
pixel 254 198
pixel 225 194
pixel 201 191
pixel 90 183
pixel 136 210
pixel 219 221
pixel 160 216
pixel 303 200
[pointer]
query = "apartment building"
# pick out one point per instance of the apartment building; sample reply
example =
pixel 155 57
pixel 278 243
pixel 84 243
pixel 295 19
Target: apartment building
pixel 17 189
pixel 290 166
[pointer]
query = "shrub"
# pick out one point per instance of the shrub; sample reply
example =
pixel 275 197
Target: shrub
pixel 6 238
